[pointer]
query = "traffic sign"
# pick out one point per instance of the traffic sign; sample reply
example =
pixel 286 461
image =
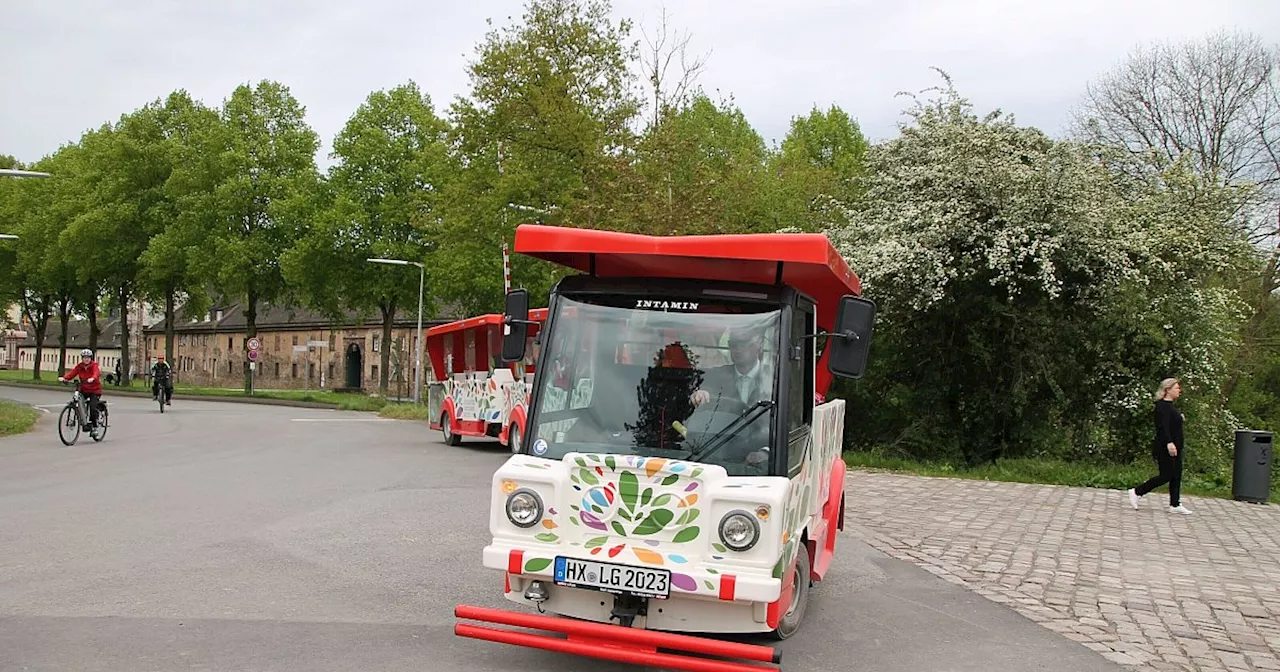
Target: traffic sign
pixel 318 344
pixel 253 355
pixel 254 344
pixel 299 348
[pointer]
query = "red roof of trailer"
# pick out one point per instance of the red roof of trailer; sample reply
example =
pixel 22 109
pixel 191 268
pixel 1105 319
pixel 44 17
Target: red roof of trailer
pixel 538 314
pixel 809 261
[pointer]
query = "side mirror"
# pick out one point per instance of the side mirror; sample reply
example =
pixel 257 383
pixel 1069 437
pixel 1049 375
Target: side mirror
pixel 851 340
pixel 515 325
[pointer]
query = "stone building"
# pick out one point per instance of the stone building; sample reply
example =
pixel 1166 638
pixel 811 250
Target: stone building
pixel 24 350
pixel 297 349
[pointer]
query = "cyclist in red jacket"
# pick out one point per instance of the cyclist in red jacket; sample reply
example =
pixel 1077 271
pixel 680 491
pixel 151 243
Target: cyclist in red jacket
pixel 88 371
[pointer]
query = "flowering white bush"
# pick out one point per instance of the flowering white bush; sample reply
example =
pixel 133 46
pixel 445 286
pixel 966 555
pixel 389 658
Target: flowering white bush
pixel 1027 291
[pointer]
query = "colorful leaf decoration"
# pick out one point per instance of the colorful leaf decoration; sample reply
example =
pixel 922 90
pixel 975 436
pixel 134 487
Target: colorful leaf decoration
pixel 646 555
pixel 655 522
pixel 696 471
pixel 547 537
pixel 573 520
pixel 672 478
pixel 662 499
pixel 596 541
pixel 622 513
pixel 677 558
pixel 581 462
pixel 574 507
pixel 687 534
pixel 617 527
pixel 613 464
pixel 646 496
pixel 651 467
pixel 629 488
pixel 573 478
pixel 719 547
pixel 549 524
pixel 709 585
pixel 536 564
pixel 588 477
pixel 688 501
pixel 683 582
pixel 596 550
pixel 691 487
pixel 712 571
pixel 613 552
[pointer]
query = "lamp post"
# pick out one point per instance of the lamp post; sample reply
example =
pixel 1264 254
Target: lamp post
pixel 14 172
pixel 422 271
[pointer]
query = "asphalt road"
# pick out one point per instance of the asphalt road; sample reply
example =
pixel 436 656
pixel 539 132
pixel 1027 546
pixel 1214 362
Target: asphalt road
pixel 223 536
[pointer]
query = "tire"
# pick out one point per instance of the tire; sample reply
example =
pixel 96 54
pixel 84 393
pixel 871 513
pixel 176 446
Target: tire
pixel 514 438
pixel 100 432
pixel 450 439
pixel 67 420
pixel 160 396
pixel 789 624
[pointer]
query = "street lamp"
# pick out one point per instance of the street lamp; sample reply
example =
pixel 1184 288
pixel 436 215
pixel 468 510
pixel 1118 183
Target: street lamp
pixel 13 172
pixel 422 270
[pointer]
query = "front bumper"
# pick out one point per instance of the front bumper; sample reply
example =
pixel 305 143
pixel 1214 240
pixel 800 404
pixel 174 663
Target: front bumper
pixel 692 580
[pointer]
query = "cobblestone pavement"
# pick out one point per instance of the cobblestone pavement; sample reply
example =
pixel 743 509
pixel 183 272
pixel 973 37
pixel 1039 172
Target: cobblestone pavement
pixel 1148 589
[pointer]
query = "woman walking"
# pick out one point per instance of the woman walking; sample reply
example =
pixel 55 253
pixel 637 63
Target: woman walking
pixel 1166 448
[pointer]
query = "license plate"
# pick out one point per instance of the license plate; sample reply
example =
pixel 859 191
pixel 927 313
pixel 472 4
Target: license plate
pixel 613 578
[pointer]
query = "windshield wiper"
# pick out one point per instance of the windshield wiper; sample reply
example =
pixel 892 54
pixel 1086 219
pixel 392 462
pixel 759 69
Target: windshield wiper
pixel 722 437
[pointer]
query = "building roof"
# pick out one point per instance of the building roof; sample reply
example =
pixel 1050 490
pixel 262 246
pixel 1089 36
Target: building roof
pixel 77 334
pixel 277 318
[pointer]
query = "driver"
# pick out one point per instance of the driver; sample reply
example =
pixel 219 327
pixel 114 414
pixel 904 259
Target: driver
pixel 743 380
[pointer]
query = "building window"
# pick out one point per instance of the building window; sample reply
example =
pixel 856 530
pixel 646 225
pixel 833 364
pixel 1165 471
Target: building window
pixel 277 364
pixel 295 339
pixel 294 373
pixel 229 346
pixel 377 343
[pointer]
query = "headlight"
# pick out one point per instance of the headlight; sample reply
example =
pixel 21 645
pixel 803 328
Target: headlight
pixel 524 508
pixel 739 530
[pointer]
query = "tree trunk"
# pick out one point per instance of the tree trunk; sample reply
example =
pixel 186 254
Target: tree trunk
pixel 64 316
pixel 250 331
pixel 124 335
pixel 388 318
pixel 93 324
pixel 170 328
pixel 40 320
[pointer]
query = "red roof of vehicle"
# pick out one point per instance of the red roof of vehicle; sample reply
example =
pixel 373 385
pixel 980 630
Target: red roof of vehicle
pixel 809 262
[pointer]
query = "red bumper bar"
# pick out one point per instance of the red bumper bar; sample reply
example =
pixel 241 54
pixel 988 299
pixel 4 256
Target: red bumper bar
pixel 613 642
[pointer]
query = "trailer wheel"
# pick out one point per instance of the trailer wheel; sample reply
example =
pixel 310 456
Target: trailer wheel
pixel 446 428
pixel 513 438
pixel 790 621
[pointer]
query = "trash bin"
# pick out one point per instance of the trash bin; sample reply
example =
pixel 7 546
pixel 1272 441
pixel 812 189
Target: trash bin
pixel 1251 479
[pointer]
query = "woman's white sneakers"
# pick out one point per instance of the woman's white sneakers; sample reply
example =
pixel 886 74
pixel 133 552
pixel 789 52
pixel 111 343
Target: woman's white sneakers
pixel 1134 498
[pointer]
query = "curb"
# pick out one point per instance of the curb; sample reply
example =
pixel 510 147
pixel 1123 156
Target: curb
pixel 194 397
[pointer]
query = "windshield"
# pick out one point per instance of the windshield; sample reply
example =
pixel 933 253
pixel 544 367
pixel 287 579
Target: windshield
pixel 687 380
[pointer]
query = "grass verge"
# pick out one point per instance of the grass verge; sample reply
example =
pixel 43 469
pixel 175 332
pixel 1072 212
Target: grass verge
pixel 16 418
pixel 342 401
pixel 1049 472
pixel 405 411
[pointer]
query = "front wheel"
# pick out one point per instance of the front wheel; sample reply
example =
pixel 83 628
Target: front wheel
pixel 790 621
pixel 69 425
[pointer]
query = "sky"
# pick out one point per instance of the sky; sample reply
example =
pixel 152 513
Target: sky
pixel 72 65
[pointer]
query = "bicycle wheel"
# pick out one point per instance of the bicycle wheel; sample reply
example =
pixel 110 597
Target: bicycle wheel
pixel 100 432
pixel 160 396
pixel 68 422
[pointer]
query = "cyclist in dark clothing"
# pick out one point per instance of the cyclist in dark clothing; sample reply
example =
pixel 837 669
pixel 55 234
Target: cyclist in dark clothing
pixel 162 374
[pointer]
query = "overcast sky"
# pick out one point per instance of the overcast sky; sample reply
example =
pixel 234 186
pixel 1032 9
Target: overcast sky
pixel 69 65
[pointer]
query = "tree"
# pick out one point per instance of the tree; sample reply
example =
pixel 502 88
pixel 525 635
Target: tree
pixel 819 168
pixel 701 169
pixel 1214 102
pixel 1028 293
pixel 391 169
pixel 263 198
pixel 546 124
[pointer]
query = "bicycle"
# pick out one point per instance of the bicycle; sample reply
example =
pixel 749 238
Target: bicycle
pixel 76 414
pixel 164 394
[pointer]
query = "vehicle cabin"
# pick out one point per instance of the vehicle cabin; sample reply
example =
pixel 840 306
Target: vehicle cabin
pixel 681 469
pixel 471 391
